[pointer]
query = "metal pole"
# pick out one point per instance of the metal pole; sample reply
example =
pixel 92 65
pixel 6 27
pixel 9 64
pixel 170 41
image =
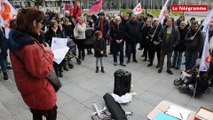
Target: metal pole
pixel 162 3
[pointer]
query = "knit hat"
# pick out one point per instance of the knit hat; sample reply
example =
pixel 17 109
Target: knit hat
pixel 98 33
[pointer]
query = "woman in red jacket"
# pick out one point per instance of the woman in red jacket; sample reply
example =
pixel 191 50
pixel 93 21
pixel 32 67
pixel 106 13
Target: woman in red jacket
pixel 32 62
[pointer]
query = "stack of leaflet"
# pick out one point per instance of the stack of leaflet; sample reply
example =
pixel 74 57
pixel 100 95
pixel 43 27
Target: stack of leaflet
pixel 59 48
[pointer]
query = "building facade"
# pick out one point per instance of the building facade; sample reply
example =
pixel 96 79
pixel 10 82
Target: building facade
pixel 112 4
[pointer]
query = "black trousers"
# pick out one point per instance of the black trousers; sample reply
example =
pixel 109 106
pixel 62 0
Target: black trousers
pixel 81 47
pixel 49 114
pixel 58 67
pixel 145 51
pixel 152 50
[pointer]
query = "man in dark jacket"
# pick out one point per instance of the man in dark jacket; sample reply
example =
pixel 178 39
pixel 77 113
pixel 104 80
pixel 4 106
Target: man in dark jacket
pixel 117 33
pixel 154 45
pixel 133 35
pixel 180 48
pixel 125 18
pixel 169 38
pixel 102 25
pixel 146 38
pixel 194 43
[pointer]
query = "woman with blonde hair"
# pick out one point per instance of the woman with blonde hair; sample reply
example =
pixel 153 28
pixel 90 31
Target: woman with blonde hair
pixel 79 34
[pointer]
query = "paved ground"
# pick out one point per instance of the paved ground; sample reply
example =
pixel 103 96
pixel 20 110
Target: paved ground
pixel 82 87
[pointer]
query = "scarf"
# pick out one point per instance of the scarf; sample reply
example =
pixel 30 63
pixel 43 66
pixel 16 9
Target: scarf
pixel 102 26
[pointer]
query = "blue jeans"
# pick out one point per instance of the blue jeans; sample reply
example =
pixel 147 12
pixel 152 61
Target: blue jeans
pixel 118 48
pixel 131 50
pixel 3 63
pixel 99 60
pixel 177 59
pixel 191 57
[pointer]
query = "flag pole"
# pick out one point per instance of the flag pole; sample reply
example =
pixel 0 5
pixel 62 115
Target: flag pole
pixel 197 31
pixel 155 32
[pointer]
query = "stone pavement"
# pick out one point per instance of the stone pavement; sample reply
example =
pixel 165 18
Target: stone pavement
pixel 82 87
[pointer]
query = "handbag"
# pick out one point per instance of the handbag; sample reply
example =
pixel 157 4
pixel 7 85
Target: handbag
pixel 53 78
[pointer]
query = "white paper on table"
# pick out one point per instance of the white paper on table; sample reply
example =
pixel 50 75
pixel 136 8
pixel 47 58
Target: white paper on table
pixel 59 54
pixel 58 43
pixel 178 112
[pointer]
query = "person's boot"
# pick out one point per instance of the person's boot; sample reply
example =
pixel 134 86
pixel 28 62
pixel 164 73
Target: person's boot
pixel 96 70
pixel 65 65
pixel 60 74
pixel 134 60
pixel 160 70
pixel 57 73
pixel 102 70
pixel 169 72
pixel 149 65
pixel 5 76
pixel 70 64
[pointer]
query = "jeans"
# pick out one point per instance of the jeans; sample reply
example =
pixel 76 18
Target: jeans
pixel 3 63
pixel 131 49
pixel 118 48
pixel 99 60
pixel 49 114
pixel 191 57
pixel 177 59
pixel 162 56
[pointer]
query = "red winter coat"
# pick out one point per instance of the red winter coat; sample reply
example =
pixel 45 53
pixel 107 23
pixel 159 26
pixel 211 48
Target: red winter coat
pixel 31 73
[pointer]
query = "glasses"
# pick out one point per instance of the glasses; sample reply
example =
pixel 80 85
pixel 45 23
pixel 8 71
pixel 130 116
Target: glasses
pixel 41 23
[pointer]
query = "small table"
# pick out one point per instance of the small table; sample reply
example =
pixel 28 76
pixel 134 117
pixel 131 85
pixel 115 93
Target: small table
pixel 163 106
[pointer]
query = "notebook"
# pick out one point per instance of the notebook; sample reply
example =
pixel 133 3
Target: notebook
pixel 178 112
pixel 163 116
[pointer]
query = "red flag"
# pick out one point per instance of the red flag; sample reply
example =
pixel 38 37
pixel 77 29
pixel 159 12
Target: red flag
pixel 69 8
pixel 76 10
pixel 96 6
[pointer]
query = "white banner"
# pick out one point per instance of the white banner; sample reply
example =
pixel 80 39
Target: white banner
pixel 137 9
pixel 205 59
pixel 163 12
pixel 206 21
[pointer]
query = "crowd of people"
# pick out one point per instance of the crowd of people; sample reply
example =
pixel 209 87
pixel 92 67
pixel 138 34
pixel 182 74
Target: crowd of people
pixel 123 32
pixel 32 59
